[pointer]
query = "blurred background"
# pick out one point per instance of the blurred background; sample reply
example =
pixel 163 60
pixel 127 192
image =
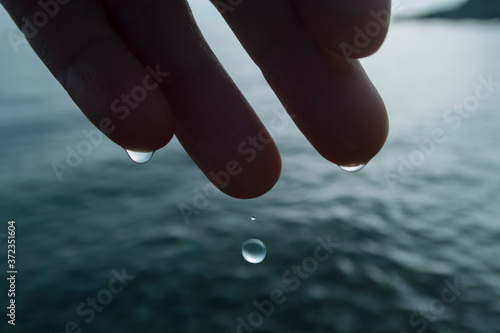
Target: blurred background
pixel 421 217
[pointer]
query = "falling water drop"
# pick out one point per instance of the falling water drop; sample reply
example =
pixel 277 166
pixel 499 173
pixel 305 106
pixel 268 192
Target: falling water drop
pixel 253 218
pixel 254 251
pixel 140 157
pixel 353 167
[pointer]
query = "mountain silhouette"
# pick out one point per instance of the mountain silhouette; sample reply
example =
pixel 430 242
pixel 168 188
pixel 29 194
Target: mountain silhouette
pixel 472 9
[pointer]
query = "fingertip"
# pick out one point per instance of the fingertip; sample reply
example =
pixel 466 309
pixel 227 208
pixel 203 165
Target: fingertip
pixel 358 126
pixel 149 127
pixel 119 96
pixel 358 143
pixel 256 178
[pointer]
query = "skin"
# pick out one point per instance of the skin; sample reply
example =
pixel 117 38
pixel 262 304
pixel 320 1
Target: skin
pixel 99 50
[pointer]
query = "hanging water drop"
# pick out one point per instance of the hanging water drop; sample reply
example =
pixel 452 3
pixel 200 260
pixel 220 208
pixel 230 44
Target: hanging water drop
pixel 253 218
pixel 140 157
pixel 353 168
pixel 254 251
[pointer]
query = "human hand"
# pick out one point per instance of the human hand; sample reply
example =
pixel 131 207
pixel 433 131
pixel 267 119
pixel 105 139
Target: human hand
pixel 113 56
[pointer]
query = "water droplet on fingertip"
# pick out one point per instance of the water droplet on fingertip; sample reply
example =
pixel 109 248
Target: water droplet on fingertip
pixel 254 251
pixel 140 157
pixel 352 168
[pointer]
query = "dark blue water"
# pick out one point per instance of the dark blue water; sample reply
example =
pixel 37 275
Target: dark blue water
pixel 415 233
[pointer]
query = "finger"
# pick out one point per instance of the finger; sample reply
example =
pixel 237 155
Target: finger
pixel 354 28
pixel 333 102
pixel 105 80
pixel 213 121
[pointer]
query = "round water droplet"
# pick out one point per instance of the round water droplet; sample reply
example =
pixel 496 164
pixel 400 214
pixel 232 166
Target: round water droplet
pixel 253 218
pixel 254 251
pixel 140 157
pixel 353 168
